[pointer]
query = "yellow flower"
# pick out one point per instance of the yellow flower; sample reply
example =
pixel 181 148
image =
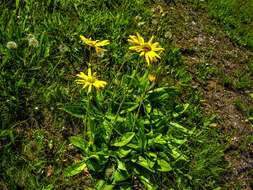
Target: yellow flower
pixel 151 78
pixel 95 43
pixel 90 80
pixel 150 51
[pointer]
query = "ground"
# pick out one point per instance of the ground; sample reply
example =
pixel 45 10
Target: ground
pixel 206 48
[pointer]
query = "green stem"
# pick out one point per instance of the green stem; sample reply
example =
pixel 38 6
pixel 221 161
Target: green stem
pixel 124 97
pixel 89 129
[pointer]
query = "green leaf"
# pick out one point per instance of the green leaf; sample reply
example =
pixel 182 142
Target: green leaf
pixel 178 141
pixel 121 165
pixel 114 118
pixel 181 112
pixel 75 110
pixel 75 169
pixel 148 185
pixel 123 153
pixel 175 152
pixel 130 109
pixel 148 108
pixel 157 140
pixel 47 52
pixel 146 163
pixel 17 4
pixel 48 187
pixel 165 166
pixel 101 185
pixel 119 176
pixel 125 139
pixel 78 142
pixel 181 128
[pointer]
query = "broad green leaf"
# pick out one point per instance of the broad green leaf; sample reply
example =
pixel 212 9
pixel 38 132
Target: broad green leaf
pixel 148 108
pixel 75 169
pixel 180 127
pixel 101 185
pixel 75 110
pixel 165 166
pixel 124 139
pixel 121 165
pixel 123 153
pixel 133 146
pixel 119 176
pixel 78 142
pixel 175 152
pixel 152 155
pixel 114 118
pixel 157 140
pixel 48 187
pixel 178 141
pixel 148 185
pixel 146 163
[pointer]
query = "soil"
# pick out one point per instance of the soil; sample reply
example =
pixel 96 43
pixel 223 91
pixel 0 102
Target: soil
pixel 204 44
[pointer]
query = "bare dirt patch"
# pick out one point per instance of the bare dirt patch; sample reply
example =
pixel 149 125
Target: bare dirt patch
pixel 214 62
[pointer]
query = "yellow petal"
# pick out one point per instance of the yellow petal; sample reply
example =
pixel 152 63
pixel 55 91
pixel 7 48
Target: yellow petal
pixel 89 88
pixel 140 39
pixel 103 43
pixel 89 72
pixel 136 48
pixel 142 53
pixel 83 38
pixel 151 39
pixel 82 75
pixel 99 84
pixel 85 85
pixel 147 59
pixel 99 50
pixel 158 49
pixel 154 54
pixel 133 40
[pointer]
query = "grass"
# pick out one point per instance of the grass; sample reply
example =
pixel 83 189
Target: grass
pixel 132 134
pixel 236 18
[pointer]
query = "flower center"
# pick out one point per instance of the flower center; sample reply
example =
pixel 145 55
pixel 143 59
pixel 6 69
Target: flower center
pixel 146 47
pixel 91 79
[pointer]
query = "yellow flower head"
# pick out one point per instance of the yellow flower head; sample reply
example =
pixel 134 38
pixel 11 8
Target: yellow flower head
pixel 90 80
pixel 151 78
pixel 150 51
pixel 95 43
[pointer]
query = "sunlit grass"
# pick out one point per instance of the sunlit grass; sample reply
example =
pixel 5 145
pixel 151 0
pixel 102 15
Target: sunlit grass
pixel 141 126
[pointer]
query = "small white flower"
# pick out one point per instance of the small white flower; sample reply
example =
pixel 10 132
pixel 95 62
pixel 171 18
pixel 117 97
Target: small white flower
pixel 11 45
pixel 101 54
pixel 29 36
pixel 155 21
pixel 138 18
pixel 33 42
pixel 141 23
pixel 168 35
pixel 63 48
